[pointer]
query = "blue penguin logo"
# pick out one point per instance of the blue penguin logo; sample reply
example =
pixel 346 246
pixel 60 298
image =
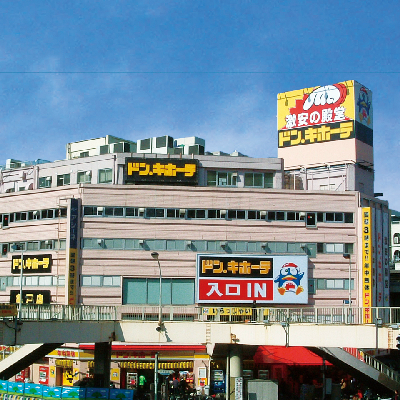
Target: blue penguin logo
pixel 289 279
pixel 364 105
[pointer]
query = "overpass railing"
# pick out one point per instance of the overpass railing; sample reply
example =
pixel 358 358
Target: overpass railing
pixel 315 315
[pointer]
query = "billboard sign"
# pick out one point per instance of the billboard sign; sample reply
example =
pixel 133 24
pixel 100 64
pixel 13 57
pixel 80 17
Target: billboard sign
pixel 161 171
pixel 37 264
pixel 225 278
pixel 325 113
pixel 367 264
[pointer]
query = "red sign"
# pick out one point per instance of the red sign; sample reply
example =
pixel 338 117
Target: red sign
pixel 44 375
pixel 236 290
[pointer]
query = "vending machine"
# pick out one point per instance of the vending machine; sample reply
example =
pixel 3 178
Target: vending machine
pixel 217 381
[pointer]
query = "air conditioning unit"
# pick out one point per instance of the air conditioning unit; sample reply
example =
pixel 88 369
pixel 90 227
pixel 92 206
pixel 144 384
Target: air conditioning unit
pixel 222 213
pixel 182 211
pixel 100 242
pixel 141 242
pixel 188 243
pixel 224 244
pixel 263 213
pixel 141 211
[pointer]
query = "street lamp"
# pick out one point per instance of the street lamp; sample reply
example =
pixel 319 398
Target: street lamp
pixel 155 255
pixel 21 276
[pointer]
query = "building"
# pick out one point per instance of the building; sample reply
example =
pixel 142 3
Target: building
pixel 225 228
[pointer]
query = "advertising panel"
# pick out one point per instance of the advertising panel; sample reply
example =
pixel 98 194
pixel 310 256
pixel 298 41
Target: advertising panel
pixel 225 278
pixel 367 281
pixel 37 264
pixel 165 171
pixel 386 288
pixel 325 113
pixel 31 297
pixel 72 261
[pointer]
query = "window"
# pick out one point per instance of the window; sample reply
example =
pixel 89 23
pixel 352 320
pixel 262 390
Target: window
pixel 63 180
pixel 105 175
pixel 196 213
pixel 45 182
pixel 154 213
pixel 396 238
pixel 147 291
pixel 257 179
pixel 84 177
pixel 217 178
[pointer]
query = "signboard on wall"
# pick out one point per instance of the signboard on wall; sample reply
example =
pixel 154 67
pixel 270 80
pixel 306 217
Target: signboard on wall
pixel 165 171
pixel 31 296
pixel 37 264
pixel 325 113
pixel 225 278
pixel 367 280
pixel 72 260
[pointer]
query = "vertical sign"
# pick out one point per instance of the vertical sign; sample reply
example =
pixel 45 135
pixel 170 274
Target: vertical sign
pixel 386 288
pixel 72 262
pixel 367 264
pixel 378 228
pixel 239 388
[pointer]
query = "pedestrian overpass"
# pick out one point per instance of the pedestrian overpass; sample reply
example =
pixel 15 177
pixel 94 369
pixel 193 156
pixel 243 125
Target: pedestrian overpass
pixel 44 327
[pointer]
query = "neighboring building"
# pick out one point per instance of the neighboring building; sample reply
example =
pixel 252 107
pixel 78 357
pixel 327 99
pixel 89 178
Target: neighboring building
pixel 394 258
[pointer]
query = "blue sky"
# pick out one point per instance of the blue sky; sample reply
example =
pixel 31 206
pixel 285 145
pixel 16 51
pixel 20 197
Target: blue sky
pixel 74 70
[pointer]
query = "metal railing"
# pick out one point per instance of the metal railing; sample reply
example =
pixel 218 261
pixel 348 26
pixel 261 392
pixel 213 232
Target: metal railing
pixel 313 315
pixel 378 365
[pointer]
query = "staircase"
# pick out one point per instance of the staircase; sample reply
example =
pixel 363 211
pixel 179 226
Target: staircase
pixel 377 375
pixel 24 357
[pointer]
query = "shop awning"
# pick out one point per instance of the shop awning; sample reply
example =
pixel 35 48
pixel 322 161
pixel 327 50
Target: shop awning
pixel 150 348
pixel 287 355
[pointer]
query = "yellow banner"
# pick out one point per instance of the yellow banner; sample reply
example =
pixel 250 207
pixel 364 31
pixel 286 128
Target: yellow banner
pixel 367 264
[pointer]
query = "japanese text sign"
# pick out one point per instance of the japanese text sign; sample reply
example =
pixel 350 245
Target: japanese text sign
pixel 31 296
pixel 247 278
pixel 163 171
pixel 367 263
pixel 37 264
pixel 334 112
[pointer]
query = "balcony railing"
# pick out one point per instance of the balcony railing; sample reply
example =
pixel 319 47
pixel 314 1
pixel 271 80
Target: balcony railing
pixel 314 315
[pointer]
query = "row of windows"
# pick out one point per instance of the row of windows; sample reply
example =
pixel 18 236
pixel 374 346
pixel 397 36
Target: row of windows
pixel 33 280
pixel 195 213
pixel 147 291
pixel 100 280
pixel 189 245
pixel 181 291
pixel 251 179
pixel 311 249
pixel 22 216
pixel 103 176
pixel 328 284
pixel 33 245
pixel 214 178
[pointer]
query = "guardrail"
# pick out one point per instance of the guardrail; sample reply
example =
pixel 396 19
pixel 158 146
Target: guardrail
pixel 314 315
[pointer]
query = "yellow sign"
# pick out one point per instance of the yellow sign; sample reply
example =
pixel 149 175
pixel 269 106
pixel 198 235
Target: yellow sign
pixel 52 371
pixel 235 266
pixel 325 113
pixel 227 311
pixel 319 134
pixel 72 276
pixel 170 169
pixel 367 263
